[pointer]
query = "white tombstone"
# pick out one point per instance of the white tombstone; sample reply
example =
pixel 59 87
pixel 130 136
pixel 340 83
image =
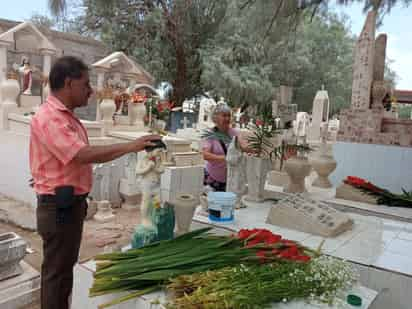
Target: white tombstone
pixel 205 113
pixel 302 124
pixel 320 114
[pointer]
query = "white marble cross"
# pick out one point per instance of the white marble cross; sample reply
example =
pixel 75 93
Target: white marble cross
pixel 185 122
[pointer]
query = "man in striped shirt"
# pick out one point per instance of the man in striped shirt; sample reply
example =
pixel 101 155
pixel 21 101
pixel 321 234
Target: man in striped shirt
pixel 60 162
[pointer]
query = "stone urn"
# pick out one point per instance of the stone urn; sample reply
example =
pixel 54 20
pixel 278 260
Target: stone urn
pixel 104 212
pixel 324 164
pixel 136 113
pixel 256 171
pixel 297 168
pixel 10 90
pixel 160 124
pixel 107 110
pixel 379 90
pixel 185 206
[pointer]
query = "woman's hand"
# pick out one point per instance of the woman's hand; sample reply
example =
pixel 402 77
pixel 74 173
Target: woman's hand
pixel 208 156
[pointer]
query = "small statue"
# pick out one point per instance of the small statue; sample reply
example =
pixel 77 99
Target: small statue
pixel 27 71
pixel 149 168
pixel 236 173
pixel 158 219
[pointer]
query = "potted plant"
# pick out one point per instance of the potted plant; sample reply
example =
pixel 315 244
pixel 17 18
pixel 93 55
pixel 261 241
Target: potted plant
pixel 260 140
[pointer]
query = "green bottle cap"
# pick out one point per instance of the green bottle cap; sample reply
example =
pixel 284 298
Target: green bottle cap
pixel 354 300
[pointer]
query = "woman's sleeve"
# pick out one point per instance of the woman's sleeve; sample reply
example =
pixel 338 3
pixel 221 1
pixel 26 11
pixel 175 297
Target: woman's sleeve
pixel 207 145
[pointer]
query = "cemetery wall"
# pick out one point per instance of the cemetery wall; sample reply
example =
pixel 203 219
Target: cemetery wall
pixel 386 166
pixel 14 167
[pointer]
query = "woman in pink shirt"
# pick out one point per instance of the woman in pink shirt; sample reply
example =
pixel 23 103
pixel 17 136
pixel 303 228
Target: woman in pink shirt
pixel 215 147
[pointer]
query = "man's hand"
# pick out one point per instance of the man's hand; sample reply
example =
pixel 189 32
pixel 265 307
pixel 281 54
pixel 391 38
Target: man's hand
pixel 140 143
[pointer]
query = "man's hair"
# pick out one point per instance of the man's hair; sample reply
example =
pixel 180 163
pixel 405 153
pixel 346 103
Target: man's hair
pixel 66 67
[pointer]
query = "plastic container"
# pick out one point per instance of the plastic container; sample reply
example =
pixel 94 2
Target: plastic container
pixel 221 206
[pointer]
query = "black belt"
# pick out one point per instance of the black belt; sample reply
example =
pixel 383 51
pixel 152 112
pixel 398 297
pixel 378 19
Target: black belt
pixel 51 198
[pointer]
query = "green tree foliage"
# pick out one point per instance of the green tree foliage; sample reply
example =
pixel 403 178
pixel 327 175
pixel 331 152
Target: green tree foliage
pixel 242 50
pixel 247 66
pixel 164 36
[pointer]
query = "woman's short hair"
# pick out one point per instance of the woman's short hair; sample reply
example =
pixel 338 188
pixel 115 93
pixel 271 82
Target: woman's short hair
pixel 220 108
pixel 66 67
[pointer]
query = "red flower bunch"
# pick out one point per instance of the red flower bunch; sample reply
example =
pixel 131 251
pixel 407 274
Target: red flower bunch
pixel 259 122
pixel 362 184
pixel 138 98
pixel 165 106
pixel 272 245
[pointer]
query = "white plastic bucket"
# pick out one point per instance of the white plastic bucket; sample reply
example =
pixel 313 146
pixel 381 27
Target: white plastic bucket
pixel 221 206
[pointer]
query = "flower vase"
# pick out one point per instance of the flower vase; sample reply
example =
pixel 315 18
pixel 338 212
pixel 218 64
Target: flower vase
pixel 136 113
pixel 324 164
pixel 257 169
pixel 10 90
pixel 107 110
pixel 160 124
pixel 185 206
pixel 297 168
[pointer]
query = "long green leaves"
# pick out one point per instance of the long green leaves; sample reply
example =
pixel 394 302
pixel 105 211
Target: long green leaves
pixel 152 266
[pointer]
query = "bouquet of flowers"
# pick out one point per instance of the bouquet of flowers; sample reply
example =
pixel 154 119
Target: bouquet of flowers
pixel 138 98
pixel 150 268
pixel 383 196
pixel 159 109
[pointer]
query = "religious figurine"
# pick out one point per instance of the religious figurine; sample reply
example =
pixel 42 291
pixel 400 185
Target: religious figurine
pixel 26 70
pixel 236 173
pixel 149 168
pixel 157 218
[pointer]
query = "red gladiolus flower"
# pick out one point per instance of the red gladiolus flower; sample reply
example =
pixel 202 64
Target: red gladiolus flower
pixel 288 243
pixel 259 122
pixel 355 181
pixel 252 243
pixel 302 258
pixel 273 239
pixel 262 255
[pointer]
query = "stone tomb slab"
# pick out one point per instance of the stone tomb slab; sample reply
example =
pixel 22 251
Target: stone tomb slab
pixel 308 215
pixel 20 290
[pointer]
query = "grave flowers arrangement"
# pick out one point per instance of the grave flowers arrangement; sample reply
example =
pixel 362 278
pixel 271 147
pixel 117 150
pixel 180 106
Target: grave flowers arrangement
pixel 261 140
pixel 151 268
pixel 138 98
pixel 383 196
pixel 323 279
pixel 159 109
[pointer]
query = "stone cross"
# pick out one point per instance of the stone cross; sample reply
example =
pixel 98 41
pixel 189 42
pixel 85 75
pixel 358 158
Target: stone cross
pixel 185 122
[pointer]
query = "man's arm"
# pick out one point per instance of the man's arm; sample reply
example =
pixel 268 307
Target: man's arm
pixel 101 154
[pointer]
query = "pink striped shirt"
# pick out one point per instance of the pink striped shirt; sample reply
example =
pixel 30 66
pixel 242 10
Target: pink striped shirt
pixel 56 136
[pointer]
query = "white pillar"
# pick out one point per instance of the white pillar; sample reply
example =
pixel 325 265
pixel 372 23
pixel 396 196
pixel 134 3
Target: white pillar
pixel 47 60
pixel 100 86
pixel 3 62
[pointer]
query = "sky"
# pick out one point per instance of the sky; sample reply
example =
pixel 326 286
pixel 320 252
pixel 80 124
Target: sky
pixel 396 25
